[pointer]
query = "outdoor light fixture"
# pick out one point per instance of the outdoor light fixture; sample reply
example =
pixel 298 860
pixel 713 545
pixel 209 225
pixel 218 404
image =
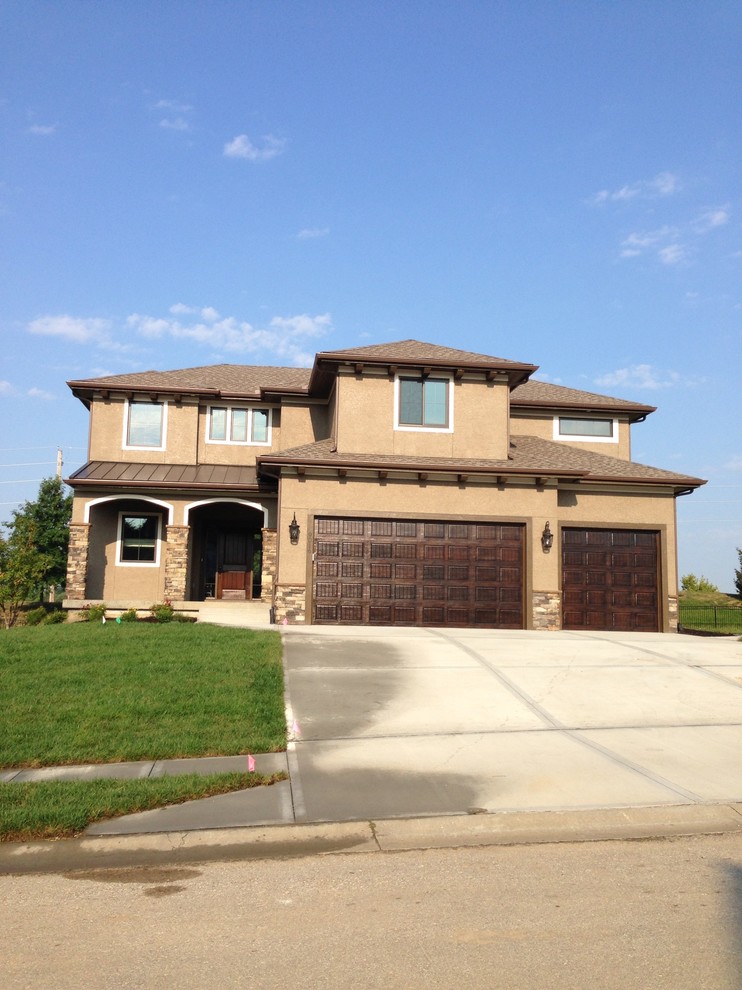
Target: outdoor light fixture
pixel 547 539
pixel 294 530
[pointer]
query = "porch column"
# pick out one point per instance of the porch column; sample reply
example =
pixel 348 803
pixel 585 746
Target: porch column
pixel 77 561
pixel 269 564
pixel 176 562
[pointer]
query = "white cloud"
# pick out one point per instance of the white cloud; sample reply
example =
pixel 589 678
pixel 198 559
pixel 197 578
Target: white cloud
pixel 44 130
pixel 39 393
pixel 711 219
pixel 72 328
pixel 284 337
pixel 173 105
pixel 673 254
pixel 663 184
pixel 242 147
pixel 6 388
pixel 175 124
pixel 645 376
pixel 734 463
pixel 310 232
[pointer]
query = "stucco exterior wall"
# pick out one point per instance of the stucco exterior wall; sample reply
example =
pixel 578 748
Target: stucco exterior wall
pixel 107 432
pixel 366 420
pixel 543 426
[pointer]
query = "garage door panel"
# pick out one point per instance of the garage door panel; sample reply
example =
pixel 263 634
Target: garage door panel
pixel 438 573
pixel 610 579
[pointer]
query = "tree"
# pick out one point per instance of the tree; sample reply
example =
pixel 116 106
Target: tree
pixel 738 572
pixel 689 582
pixel 22 569
pixel 50 515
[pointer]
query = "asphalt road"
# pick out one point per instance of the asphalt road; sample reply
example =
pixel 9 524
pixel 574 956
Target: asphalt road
pixel 647 915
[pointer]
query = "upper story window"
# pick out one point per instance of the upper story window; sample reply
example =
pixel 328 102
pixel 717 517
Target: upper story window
pixel 423 403
pixel 139 538
pixel 145 424
pixel 249 426
pixel 597 429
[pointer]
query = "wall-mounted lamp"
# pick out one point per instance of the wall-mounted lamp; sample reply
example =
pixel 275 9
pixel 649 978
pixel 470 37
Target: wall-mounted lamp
pixel 547 539
pixel 294 530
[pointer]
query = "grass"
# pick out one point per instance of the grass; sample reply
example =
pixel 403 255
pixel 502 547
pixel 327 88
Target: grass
pixel 85 693
pixel 62 809
pixel 94 693
pixel 710 611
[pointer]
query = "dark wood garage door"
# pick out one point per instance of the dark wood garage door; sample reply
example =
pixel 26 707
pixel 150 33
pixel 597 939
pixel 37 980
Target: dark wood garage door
pixel 610 579
pixel 418 573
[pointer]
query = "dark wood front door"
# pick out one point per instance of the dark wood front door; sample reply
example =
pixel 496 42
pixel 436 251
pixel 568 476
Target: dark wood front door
pixel 234 568
pixel 610 579
pixel 418 573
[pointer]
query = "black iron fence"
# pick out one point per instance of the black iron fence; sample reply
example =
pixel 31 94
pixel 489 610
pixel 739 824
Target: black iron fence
pixel 712 618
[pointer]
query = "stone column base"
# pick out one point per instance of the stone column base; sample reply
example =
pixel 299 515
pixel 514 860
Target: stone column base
pixel 290 602
pixel 672 612
pixel 176 562
pixel 77 561
pixel 547 610
pixel 268 575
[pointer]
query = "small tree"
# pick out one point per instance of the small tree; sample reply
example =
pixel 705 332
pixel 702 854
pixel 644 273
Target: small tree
pixel 50 515
pixel 22 568
pixel 689 582
pixel 738 573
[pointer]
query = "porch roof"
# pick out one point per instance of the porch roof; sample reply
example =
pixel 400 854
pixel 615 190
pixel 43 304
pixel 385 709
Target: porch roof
pixel 191 476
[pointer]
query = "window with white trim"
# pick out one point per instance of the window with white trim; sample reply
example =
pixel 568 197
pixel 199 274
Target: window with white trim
pixel 144 426
pixel 423 403
pixel 139 538
pixel 238 425
pixel 596 429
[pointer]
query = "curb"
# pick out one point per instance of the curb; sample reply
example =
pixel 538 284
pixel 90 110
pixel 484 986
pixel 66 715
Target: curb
pixel 390 835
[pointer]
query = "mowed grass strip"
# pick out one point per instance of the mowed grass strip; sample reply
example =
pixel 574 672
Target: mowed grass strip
pixel 95 693
pixel 61 809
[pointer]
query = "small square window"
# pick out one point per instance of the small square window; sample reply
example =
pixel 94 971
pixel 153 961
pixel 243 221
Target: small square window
pixel 138 538
pixel 423 402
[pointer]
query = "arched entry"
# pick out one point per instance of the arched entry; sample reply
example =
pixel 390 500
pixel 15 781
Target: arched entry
pixel 227 550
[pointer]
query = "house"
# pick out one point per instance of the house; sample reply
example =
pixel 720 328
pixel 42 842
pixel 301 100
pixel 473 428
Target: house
pixel 395 484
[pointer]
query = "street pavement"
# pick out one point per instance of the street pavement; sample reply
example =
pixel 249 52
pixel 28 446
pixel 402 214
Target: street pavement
pixel 389 724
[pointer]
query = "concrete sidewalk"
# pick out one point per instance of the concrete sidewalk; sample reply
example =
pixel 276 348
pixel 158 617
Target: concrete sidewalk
pixel 486 727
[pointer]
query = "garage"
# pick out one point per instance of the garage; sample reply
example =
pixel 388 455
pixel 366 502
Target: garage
pixel 610 579
pixel 390 572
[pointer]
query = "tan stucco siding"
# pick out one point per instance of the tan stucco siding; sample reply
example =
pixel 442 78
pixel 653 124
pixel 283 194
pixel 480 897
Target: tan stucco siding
pixel 366 420
pixel 302 424
pixel 108 430
pixel 109 580
pixel 543 426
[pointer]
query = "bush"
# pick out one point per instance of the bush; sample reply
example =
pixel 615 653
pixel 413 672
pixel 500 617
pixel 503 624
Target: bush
pixel 689 582
pixel 55 617
pixel 130 615
pixel 35 616
pixel 93 613
pixel 163 611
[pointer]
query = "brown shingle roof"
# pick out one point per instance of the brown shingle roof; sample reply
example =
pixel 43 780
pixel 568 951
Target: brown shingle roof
pixel 528 455
pixel 419 352
pixel 544 394
pixel 225 379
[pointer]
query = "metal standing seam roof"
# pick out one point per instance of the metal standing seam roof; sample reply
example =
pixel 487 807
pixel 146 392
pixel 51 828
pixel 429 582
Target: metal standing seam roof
pixel 119 474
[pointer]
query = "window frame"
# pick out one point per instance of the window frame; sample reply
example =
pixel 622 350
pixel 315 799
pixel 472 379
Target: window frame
pixel 124 514
pixel 585 437
pixel 228 438
pixel 422 427
pixel 126 445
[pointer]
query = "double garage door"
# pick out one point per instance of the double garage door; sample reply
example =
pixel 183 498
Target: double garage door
pixel 418 573
pixel 610 579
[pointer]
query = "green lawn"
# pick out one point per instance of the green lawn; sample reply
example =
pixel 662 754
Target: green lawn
pixel 95 693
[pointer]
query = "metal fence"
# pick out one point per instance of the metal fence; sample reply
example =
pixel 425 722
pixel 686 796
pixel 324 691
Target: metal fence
pixel 721 618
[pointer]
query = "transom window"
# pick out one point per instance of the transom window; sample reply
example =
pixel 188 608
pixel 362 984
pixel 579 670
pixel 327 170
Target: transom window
pixel 597 428
pixel 423 403
pixel 139 536
pixel 145 424
pixel 228 425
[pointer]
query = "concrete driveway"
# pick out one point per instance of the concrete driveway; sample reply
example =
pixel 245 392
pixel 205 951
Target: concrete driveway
pixel 406 722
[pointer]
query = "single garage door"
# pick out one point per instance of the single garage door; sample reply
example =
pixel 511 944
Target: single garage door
pixel 418 573
pixel 610 579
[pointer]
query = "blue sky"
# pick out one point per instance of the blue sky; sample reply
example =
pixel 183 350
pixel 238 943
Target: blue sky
pixel 186 183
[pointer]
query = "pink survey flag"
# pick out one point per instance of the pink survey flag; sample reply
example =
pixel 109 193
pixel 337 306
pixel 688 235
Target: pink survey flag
pixel 295 728
pixel 250 763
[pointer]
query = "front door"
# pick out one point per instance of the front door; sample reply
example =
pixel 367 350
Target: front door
pixel 234 565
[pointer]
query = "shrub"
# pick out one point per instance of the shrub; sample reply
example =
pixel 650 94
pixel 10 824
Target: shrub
pixel 130 615
pixel 35 616
pixel 163 611
pixel 689 582
pixel 93 613
pixel 55 617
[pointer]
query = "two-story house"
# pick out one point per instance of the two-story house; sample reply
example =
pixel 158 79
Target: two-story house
pixel 395 484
